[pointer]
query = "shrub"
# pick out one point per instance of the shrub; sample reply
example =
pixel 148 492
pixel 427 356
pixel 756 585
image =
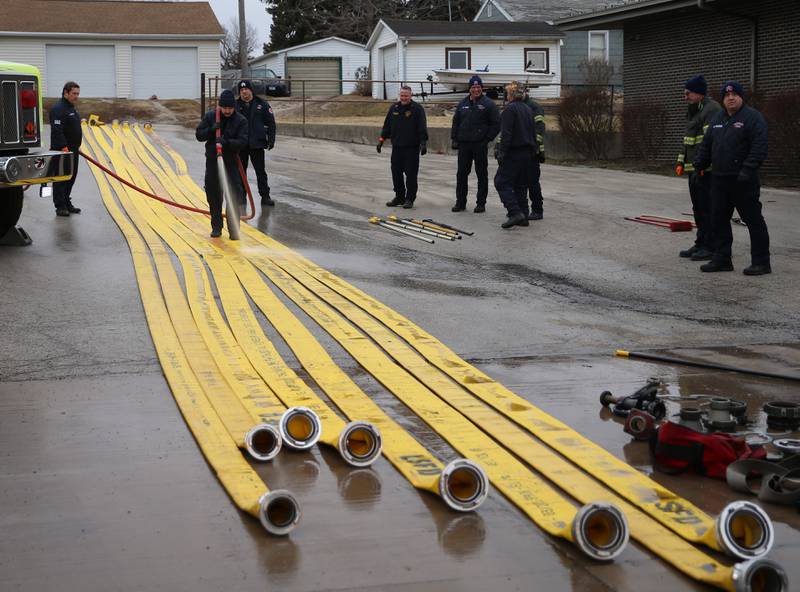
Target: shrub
pixel 586 121
pixel 645 127
pixel 782 112
pixel 364 82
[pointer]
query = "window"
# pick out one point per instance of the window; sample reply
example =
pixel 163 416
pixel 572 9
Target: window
pixel 489 11
pixel 537 59
pixel 598 45
pixel 458 58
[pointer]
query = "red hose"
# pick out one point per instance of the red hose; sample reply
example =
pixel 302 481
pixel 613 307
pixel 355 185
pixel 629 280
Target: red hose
pixel 168 201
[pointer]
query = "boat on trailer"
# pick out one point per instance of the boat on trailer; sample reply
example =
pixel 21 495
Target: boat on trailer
pixel 458 80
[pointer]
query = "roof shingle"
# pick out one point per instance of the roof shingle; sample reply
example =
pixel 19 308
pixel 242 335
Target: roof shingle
pixel 548 10
pixel 459 29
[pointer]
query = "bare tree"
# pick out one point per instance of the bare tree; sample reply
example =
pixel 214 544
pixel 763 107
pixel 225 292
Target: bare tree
pixel 229 50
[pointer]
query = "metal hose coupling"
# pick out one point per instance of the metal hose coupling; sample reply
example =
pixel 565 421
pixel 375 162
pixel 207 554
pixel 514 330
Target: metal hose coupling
pixel 360 443
pixel 300 428
pixel 278 511
pixel 263 442
pixel 744 530
pixel 760 575
pixel 600 530
pixel 463 485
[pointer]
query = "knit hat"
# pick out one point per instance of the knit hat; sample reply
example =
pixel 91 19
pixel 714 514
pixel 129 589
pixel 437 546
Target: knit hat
pixel 515 90
pixel 697 85
pixel 226 99
pixel 246 84
pixel 732 86
pixel 475 79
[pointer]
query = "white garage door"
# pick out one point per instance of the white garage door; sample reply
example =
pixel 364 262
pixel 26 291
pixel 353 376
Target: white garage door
pixel 390 71
pixel 167 72
pixel 91 66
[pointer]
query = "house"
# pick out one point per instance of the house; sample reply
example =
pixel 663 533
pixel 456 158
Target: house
pixel 331 60
pixel 118 49
pixel 669 41
pixel 605 43
pixel 409 51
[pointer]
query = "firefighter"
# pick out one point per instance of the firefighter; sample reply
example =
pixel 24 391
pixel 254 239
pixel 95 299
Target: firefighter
pixel 514 153
pixel 66 135
pixel 261 135
pixel 701 110
pixel 476 122
pixel 233 138
pixel 535 171
pixel 736 145
pixel 407 127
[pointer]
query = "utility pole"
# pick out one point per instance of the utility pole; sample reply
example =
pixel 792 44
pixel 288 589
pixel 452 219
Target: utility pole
pixel 245 67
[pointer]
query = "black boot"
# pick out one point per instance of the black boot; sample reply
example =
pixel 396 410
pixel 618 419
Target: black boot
pixel 756 269
pixel 713 266
pixel 535 215
pixel 702 254
pixel 408 204
pixel 458 207
pixel 516 219
pixel 686 253
pixel 397 201
pixel 267 201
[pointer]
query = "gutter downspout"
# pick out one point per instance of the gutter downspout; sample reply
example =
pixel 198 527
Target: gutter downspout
pixel 701 4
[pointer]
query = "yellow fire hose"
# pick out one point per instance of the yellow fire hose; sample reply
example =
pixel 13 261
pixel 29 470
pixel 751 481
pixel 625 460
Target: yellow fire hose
pixel 733 579
pixel 462 484
pixel 278 511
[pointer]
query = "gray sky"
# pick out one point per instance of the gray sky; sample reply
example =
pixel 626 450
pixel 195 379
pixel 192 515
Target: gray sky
pixel 255 13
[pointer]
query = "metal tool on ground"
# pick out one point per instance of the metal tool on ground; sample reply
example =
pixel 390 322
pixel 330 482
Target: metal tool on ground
pixel 395 221
pixel 773 482
pixel 640 424
pixel 691 417
pixel 411 225
pixel 621 353
pixel 434 227
pixel 447 226
pixel 671 223
pixel 380 222
pixel 783 414
pixel 788 446
pixel 666 219
pixel 719 415
pixel 646 399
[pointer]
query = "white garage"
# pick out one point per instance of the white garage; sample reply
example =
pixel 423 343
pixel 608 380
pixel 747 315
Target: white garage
pixel 93 65
pixel 167 72
pixel 115 49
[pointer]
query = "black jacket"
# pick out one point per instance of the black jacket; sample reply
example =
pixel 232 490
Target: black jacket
pixel 234 135
pixel 406 125
pixel 261 122
pixel 516 129
pixel 477 121
pixel 733 143
pixel 65 126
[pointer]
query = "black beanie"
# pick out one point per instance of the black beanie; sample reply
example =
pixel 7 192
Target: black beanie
pixel 226 99
pixel 697 85
pixel 246 84
pixel 732 86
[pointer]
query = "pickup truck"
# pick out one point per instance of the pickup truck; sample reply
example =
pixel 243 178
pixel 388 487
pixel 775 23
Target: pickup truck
pixel 21 161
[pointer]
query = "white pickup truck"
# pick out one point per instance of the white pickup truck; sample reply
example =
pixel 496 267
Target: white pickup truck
pixel 21 161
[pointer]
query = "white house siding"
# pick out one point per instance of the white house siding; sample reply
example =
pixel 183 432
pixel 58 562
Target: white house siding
pixel 31 50
pixel 422 58
pixel 276 63
pixel 385 37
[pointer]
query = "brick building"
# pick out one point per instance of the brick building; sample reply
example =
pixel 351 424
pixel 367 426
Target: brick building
pixel 669 41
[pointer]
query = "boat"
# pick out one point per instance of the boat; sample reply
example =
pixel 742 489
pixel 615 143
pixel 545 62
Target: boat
pixel 458 80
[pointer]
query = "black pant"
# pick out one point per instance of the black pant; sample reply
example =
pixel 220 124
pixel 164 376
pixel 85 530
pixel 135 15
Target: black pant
pixel 62 191
pixel 214 189
pixel 405 160
pixel 467 153
pixel 511 181
pixel 728 193
pixel 700 192
pixel 256 156
pixel 534 187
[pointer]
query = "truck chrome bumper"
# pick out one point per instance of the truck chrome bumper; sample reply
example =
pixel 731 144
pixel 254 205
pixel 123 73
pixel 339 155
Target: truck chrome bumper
pixel 43 167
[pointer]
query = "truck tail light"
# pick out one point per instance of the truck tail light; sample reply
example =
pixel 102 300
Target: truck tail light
pixel 27 99
pixel 29 103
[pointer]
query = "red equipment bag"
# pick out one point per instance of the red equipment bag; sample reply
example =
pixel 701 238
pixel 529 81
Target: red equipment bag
pixel 677 449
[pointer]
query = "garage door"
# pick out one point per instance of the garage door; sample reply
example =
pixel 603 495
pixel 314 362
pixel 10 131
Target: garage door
pixel 390 71
pixel 326 72
pixel 91 66
pixel 167 72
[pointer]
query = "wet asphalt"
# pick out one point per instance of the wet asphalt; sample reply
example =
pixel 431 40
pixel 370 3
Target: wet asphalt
pixel 103 488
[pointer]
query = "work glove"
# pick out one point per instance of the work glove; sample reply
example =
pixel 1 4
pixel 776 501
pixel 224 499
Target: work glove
pixel 541 158
pixel 423 149
pixel 679 170
pixel 454 145
pixel 744 176
pixel 380 145
pixel 499 156
pixel 271 144
pixel 223 141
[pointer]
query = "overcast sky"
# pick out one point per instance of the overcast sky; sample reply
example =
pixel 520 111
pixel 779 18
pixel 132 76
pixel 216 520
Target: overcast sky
pixel 255 13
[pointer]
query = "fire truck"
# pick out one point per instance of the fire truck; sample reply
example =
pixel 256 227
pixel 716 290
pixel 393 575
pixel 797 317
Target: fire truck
pixel 22 162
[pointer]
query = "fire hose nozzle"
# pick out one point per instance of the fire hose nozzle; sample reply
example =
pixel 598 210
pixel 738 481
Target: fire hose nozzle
pixel 300 428
pixel 278 512
pixel 263 442
pixel 360 443
pixel 744 530
pixel 600 530
pixel 463 485
pixel 760 575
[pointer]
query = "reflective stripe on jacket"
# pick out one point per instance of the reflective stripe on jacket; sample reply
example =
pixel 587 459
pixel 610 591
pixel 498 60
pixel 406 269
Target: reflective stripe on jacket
pixel 696 126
